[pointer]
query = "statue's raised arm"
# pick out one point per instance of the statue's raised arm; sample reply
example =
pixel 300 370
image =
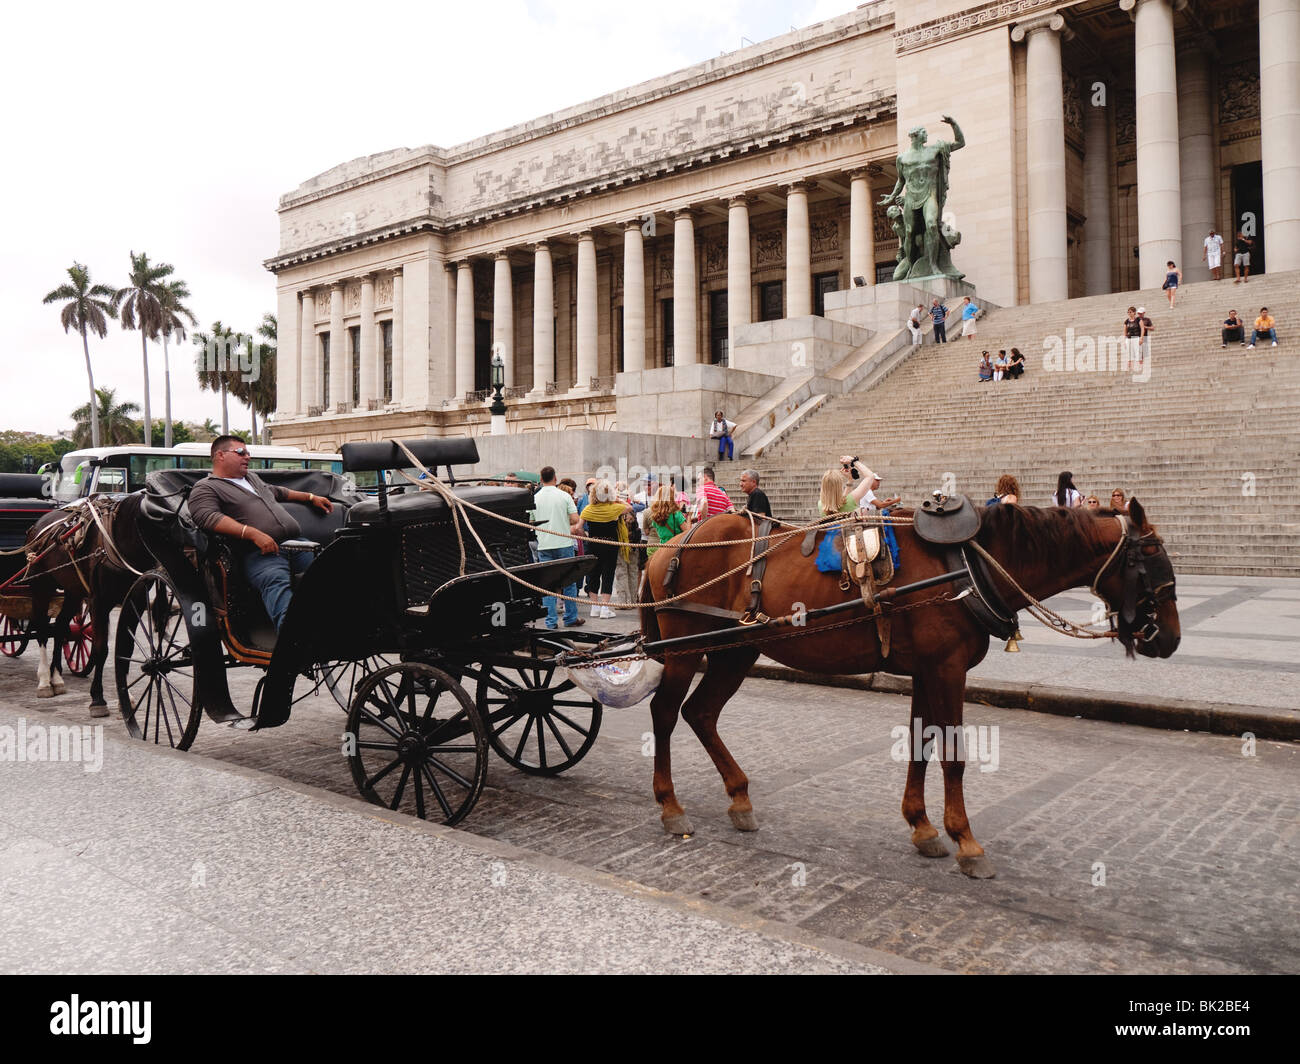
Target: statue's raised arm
pixel 959 141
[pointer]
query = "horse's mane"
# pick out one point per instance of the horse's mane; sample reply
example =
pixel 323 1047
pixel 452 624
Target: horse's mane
pixel 1044 535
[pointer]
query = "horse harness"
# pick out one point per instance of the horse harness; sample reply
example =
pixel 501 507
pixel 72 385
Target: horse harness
pixel 759 549
pixel 1148 582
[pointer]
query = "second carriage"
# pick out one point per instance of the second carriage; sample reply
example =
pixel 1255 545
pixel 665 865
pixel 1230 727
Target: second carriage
pixel 430 650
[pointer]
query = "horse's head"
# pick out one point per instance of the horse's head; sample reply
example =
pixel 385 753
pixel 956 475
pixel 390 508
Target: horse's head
pixel 1138 585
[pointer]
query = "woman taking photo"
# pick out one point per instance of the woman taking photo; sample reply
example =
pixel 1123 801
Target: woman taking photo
pixel 836 498
pixel 603 515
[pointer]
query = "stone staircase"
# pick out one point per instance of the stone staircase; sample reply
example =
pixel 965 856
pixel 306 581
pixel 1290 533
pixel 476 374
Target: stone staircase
pixel 1210 441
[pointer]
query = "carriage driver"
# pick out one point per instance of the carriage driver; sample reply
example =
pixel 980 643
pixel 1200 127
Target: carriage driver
pixel 235 502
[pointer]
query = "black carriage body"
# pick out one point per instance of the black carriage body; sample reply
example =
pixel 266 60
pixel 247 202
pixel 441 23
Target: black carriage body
pixel 23 501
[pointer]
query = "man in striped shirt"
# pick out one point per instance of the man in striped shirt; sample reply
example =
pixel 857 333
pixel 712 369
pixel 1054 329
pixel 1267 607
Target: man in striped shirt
pixel 709 498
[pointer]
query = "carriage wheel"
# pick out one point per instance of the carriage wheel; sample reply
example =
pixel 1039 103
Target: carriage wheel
pixel 539 726
pixel 343 678
pixel 156 688
pixel 418 744
pixel 14 635
pixel 78 649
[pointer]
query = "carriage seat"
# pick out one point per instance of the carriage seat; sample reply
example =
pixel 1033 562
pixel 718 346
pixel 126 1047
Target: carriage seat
pixel 425 507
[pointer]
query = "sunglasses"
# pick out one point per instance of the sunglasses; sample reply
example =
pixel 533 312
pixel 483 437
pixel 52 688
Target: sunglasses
pixel 241 451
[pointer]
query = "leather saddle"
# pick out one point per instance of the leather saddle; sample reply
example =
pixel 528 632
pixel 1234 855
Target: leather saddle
pixel 946 520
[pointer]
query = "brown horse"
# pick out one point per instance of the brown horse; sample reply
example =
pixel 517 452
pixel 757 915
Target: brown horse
pixel 1045 551
pixel 93 570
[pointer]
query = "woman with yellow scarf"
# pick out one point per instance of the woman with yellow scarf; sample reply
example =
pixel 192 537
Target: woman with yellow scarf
pixel 603 515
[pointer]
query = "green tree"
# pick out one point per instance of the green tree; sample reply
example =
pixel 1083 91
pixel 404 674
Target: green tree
pixel 174 315
pixel 141 303
pixel 258 393
pixel 181 433
pixel 212 362
pixel 118 424
pixel 17 447
pixel 87 308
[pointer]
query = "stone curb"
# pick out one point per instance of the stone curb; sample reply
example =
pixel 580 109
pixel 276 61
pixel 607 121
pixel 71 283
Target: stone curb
pixel 1219 718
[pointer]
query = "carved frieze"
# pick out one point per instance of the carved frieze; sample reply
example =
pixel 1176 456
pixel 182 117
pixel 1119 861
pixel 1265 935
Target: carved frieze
pixel 322 304
pixel 1125 117
pixel 665 271
pixel 1239 92
pixel 715 257
pixel 972 19
pixel 1072 88
pixel 770 248
pixel 384 292
pixel 352 299
pixel 825 235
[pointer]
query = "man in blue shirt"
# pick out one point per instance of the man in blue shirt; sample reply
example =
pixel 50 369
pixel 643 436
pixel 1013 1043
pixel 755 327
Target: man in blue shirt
pixel 939 314
pixel 558 515
pixel 968 313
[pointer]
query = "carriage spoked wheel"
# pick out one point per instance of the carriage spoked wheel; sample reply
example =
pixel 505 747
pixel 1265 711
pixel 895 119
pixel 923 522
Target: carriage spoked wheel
pixel 156 688
pixel 417 743
pixel 535 723
pixel 80 644
pixel 14 635
pixel 343 678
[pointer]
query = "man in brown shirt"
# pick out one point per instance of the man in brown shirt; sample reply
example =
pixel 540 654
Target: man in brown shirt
pixel 234 502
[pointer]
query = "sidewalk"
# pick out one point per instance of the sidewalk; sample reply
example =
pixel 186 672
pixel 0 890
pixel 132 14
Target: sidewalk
pixel 168 862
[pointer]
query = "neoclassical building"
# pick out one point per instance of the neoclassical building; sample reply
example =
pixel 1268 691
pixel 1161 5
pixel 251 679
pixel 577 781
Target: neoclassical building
pixel 639 256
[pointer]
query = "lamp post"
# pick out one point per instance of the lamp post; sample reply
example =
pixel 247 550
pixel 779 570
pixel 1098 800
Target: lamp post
pixel 498 407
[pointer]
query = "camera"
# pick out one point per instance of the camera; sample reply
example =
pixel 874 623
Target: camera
pixel 851 468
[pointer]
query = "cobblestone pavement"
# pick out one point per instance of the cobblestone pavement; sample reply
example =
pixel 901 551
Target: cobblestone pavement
pixel 1118 849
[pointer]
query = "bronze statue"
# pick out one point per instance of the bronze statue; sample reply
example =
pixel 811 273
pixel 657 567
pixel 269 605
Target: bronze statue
pixel 926 241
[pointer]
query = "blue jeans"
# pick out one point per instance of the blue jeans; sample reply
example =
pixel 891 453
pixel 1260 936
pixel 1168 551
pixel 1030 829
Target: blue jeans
pixel 570 608
pixel 1269 334
pixel 269 576
pixel 725 444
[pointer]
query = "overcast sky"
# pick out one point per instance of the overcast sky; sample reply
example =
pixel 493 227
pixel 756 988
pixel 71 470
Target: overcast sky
pixel 173 129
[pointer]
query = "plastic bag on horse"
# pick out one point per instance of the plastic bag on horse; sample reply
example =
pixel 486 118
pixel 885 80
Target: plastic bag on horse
pixel 618 684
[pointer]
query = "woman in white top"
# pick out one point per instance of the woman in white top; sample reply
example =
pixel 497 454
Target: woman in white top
pixel 914 323
pixel 1066 493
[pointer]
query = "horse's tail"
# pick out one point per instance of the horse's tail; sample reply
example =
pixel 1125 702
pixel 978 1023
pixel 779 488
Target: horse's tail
pixel 649 619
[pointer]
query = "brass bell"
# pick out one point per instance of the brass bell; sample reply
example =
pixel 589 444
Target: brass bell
pixel 1013 647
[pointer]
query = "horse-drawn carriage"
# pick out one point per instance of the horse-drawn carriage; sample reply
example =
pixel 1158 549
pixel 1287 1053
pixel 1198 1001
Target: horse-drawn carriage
pixel 24 500
pixel 425 643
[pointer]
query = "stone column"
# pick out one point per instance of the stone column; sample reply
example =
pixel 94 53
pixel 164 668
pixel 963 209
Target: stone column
pixel 369 379
pixel 1098 180
pixel 308 359
pixel 503 314
pixel 1049 272
pixel 340 371
pixel 798 253
pixel 685 340
pixel 399 369
pixel 633 298
pixel 288 401
pixel 588 365
pixel 1195 160
pixel 738 271
pixel 464 330
pixel 1279 129
pixel 543 319
pixel 1159 186
pixel 862 230
pixel 449 334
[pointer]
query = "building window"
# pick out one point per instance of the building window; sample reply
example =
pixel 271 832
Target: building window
pixel 325 369
pixel 823 283
pixel 666 317
pixel 386 331
pixel 354 341
pixel 771 301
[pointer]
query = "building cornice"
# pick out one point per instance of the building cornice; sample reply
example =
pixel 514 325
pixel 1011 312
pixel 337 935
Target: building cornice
pixel 972 20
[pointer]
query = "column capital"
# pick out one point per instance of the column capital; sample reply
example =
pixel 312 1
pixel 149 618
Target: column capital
pixel 337 286
pixel 744 199
pixel 464 264
pixel 682 212
pixel 1051 20
pixel 541 245
pixel 863 173
pixel 584 234
pixel 802 185
pixel 1131 6
pixel 501 253
pixel 632 223
pixel 369 278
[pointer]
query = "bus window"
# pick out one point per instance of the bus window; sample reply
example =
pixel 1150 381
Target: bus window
pixel 328 467
pixel 194 461
pixel 144 464
pixel 281 463
pixel 110 479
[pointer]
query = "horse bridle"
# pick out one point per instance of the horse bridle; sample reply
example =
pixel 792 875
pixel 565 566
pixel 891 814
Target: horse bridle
pixel 1148 581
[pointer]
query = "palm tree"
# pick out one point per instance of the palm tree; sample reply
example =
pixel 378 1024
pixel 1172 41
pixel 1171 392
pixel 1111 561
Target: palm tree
pixel 174 310
pixel 212 363
pixel 141 305
pixel 89 306
pixel 259 392
pixel 119 426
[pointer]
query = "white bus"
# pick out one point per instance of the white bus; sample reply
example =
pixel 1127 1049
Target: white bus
pixel 94 470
